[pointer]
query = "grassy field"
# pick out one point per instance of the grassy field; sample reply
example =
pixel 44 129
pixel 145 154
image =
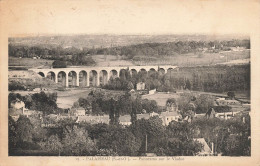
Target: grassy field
pixel 67 98
pixel 29 62
pixel 160 98
pixel 111 60
pixel 190 59
pixel 203 59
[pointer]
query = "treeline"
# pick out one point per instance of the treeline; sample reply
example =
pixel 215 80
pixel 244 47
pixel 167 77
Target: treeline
pixel 230 137
pixel 152 80
pixel 63 56
pixel 219 79
pixel 210 79
pixel 172 48
pixel 146 49
pixel 101 102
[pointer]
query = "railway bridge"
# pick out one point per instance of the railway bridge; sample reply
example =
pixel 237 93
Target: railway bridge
pixel 95 76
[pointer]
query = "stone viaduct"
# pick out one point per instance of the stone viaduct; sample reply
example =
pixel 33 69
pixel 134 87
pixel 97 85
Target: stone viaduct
pixel 94 76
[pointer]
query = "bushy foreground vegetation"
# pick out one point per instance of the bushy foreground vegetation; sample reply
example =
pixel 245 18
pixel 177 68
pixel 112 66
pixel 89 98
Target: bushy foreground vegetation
pixel 27 137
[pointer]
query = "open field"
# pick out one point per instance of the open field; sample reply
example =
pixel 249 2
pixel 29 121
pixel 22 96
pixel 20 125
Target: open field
pixel 111 60
pixel 160 98
pixel 29 62
pixel 203 59
pixel 191 59
pixel 67 98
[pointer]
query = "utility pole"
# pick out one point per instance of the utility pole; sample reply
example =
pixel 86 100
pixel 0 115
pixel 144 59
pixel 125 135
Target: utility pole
pixel 146 143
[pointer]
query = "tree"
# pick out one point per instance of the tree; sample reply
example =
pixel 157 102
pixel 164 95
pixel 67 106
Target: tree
pixel 53 144
pixel 59 64
pixel 38 133
pixel 130 85
pixel 13 97
pixel 24 129
pixel 188 84
pixel 124 143
pixel 203 103
pixel 180 140
pixel 76 142
pixel 171 102
pixel 12 133
pixel 136 108
pixel 85 103
pixel 44 102
pixel 231 94
pixel 151 127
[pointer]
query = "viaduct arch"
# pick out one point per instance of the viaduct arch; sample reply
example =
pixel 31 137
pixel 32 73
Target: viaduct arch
pixel 95 76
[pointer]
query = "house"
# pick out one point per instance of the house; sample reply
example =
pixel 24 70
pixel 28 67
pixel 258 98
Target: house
pixel 151 114
pixel 15 113
pixel 37 89
pixel 17 104
pixel 31 112
pixel 93 119
pixel 167 117
pixel 228 102
pixel 125 120
pixel 78 111
pixel 143 116
pixel 224 115
pixel 206 151
pixel 171 108
pixel 153 91
pixel 140 86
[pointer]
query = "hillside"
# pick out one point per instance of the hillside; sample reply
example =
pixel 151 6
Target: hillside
pixel 97 41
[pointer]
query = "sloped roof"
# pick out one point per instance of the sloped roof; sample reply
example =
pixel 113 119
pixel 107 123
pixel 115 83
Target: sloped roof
pixel 206 149
pixel 125 118
pixel 94 119
pixel 174 113
pixel 141 116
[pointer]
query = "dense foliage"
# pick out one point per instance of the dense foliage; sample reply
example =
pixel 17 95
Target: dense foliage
pixel 219 78
pixel 151 49
pixel 15 86
pixel 45 102
pixel 99 103
pixel 146 51
pixel 152 80
pixel 230 137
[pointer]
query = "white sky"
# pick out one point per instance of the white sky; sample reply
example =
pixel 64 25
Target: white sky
pixel 129 17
